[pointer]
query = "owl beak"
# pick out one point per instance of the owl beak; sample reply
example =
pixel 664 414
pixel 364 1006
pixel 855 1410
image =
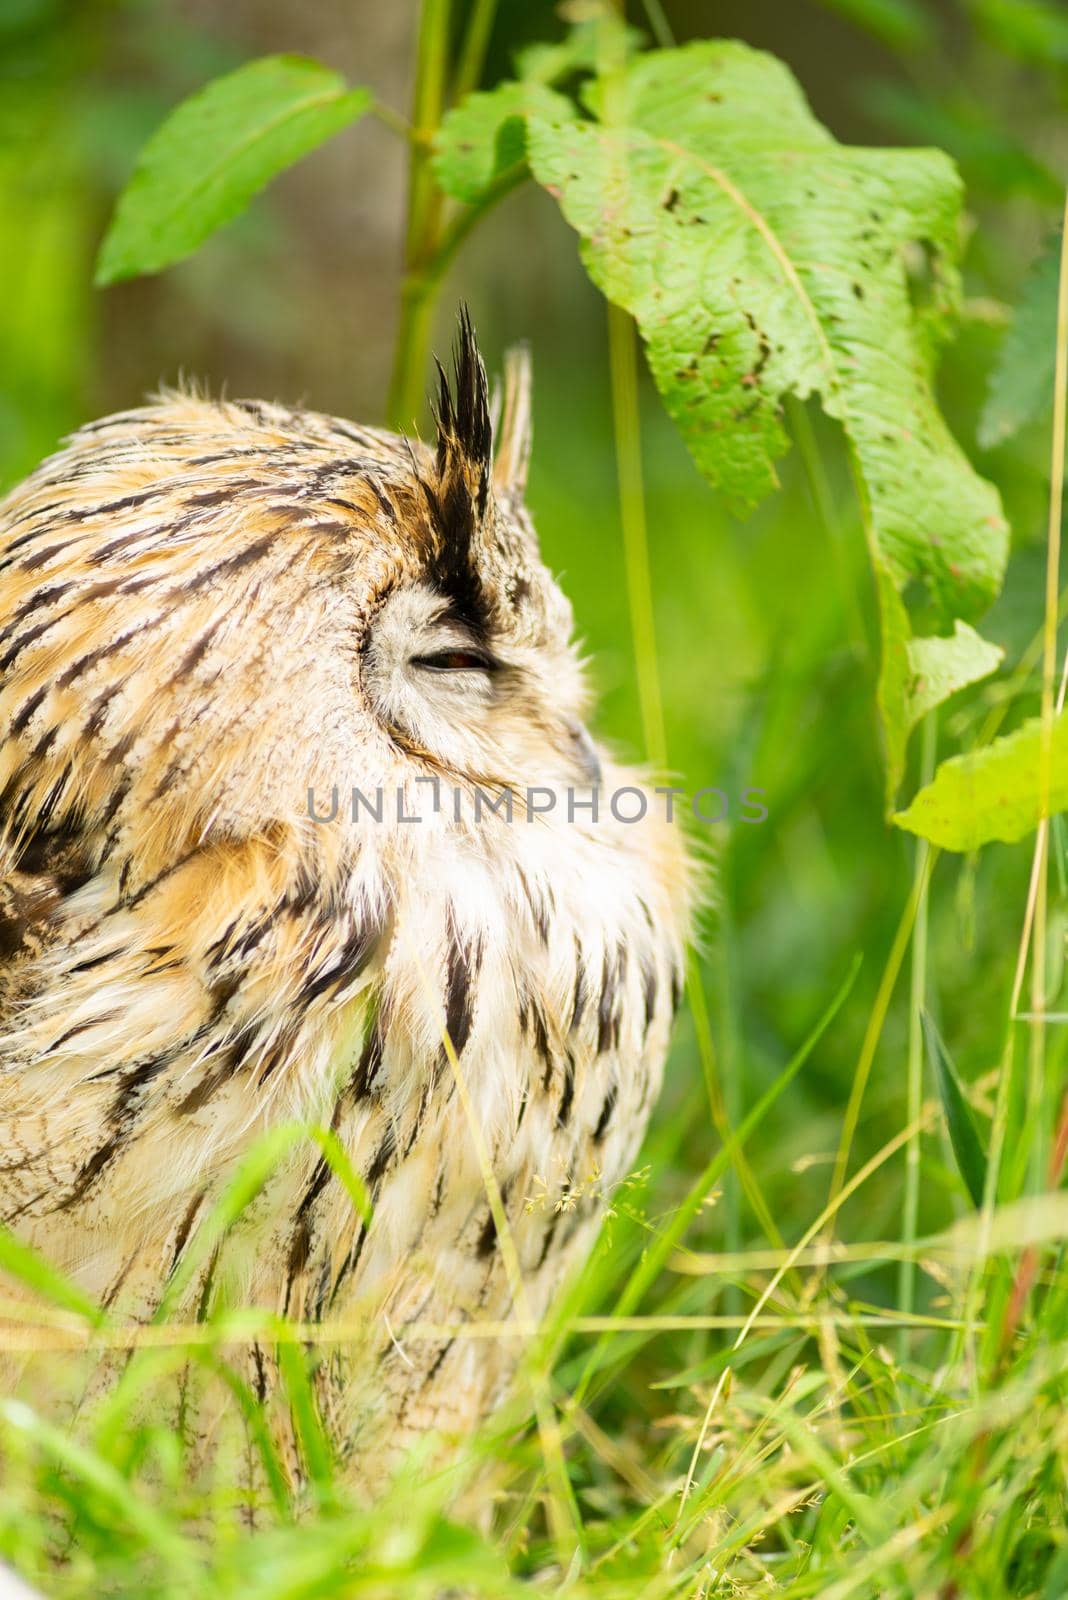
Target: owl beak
pixel 585 751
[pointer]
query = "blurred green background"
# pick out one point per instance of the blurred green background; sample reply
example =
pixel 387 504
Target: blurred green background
pixel 765 627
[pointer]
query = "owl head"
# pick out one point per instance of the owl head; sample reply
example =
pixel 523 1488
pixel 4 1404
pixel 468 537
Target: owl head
pixel 468 655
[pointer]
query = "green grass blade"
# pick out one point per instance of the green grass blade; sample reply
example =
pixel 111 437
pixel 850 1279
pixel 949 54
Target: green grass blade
pixel 971 1158
pixel 22 1261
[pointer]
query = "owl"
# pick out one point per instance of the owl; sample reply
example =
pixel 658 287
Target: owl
pixel 300 830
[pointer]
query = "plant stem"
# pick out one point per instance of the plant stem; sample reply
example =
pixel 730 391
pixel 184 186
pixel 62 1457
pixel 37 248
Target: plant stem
pixel 424 215
pixel 1036 1081
pixel 724 1117
pixel 917 1002
pixel 392 120
pixel 873 1033
pixel 626 424
pixel 658 22
pixel 623 364
pixel 410 355
pixel 473 50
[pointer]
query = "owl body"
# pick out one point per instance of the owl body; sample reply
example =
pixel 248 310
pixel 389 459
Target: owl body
pixel 217 621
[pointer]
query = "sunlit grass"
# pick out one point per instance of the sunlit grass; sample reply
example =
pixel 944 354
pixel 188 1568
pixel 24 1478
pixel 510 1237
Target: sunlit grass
pixel 708 1452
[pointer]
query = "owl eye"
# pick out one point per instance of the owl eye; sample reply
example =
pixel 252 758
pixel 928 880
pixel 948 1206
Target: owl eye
pixel 455 661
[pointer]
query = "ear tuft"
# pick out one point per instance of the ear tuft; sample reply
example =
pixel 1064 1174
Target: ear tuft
pixel 513 437
pixel 459 499
pixel 465 434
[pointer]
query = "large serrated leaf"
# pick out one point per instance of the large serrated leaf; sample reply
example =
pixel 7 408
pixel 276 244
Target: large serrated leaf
pixel 485 135
pixel 1021 383
pixel 217 150
pixel 760 258
pixel 992 793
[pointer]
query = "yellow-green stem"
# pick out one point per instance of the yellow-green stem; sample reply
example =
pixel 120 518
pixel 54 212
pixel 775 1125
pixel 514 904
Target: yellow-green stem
pixel 425 202
pixel 473 50
pixel 623 364
pixel 917 1002
pixel 1036 1084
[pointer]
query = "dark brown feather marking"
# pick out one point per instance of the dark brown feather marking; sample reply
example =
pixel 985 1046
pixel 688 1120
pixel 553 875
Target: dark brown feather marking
pixel 260 1379
pixel 234 1053
pixel 230 564
pixel 127 502
pixel 346 967
pixel 93 657
pixel 44 596
pixel 436 1364
pixel 24 640
pixel 95 720
pixel 28 707
pixel 578 1006
pixel 92 1169
pixel 23 910
pixel 608 1007
pixel 649 990
pixel 568 1094
pixel 300 1246
pixel 185 1227
pixel 487 1237
pixel 606 1114
pixel 363 1080
pixel 41 558
pixel 462 965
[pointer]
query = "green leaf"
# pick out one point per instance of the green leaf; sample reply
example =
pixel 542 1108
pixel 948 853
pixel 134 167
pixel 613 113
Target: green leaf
pixel 485 136
pixel 1021 384
pixel 582 48
pixel 971 1158
pixel 992 793
pixel 918 673
pixel 218 149
pixel 941 666
pixel 761 258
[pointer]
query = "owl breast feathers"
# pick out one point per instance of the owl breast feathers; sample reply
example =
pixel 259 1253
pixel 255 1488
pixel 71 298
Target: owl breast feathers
pixel 217 620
